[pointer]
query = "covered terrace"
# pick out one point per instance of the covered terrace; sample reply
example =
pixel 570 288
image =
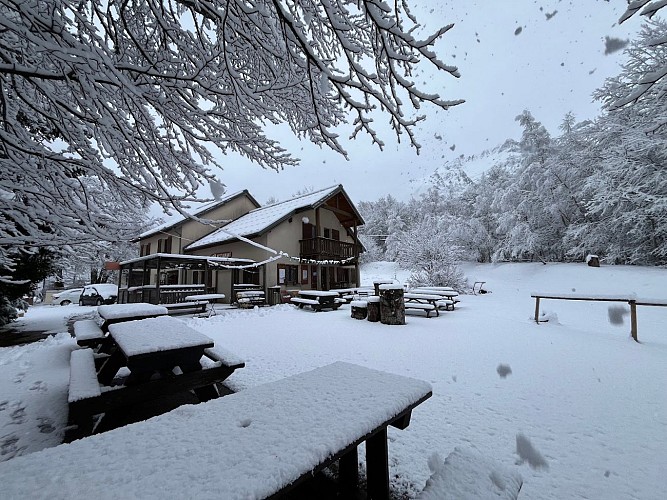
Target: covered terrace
pixel 164 278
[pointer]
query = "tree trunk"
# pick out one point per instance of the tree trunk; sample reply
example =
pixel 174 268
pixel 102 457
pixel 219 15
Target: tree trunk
pixel 392 306
pixel 374 310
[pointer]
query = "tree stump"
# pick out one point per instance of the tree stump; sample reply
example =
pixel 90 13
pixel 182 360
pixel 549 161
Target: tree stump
pixel 392 305
pixel 358 309
pixel 374 309
pixel 593 260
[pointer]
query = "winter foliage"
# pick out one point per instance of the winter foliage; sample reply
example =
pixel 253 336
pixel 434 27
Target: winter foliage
pixel 597 188
pixel 107 106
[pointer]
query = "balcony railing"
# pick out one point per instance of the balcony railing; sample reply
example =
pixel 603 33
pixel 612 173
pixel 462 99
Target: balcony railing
pixel 324 248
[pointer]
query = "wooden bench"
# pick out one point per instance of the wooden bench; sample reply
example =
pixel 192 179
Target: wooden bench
pixel 447 295
pixel 194 307
pixel 630 299
pixel 257 443
pixel 250 298
pixel 427 308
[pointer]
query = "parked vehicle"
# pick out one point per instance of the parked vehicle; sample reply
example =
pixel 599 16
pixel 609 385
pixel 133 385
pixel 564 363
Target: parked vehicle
pixel 66 297
pixel 96 295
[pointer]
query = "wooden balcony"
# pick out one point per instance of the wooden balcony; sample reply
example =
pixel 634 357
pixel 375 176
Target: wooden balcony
pixel 324 248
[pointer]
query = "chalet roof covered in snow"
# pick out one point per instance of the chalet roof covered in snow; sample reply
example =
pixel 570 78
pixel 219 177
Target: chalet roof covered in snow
pixel 199 212
pixel 262 219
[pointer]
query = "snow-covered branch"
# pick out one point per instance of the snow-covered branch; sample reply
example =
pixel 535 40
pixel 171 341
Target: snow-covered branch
pixel 134 96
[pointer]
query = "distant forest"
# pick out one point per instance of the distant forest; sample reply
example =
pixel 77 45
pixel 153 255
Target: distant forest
pixel 600 187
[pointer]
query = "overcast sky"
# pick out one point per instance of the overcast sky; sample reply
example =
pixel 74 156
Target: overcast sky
pixel 512 55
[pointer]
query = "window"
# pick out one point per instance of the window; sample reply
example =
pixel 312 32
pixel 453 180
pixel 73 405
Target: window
pixel 288 275
pixel 145 250
pixel 335 234
pixel 327 232
pixel 304 275
pixel 159 246
pixel 198 277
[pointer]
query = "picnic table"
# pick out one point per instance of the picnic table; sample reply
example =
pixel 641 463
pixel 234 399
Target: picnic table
pixel 318 299
pixel 257 443
pixel 250 298
pixel 423 302
pixel 208 299
pixel 159 356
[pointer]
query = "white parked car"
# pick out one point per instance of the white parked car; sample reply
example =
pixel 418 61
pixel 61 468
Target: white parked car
pixel 96 295
pixel 67 297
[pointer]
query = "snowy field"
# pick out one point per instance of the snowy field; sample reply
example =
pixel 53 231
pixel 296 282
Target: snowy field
pixel 588 399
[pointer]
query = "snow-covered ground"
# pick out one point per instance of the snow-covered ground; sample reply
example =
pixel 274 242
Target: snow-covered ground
pixel 576 392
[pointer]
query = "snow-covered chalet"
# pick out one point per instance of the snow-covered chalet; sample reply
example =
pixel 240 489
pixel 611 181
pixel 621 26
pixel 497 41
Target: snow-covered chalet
pixel 308 242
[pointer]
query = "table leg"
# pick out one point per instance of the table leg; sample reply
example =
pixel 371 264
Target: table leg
pixel 377 466
pixel 205 393
pixel 110 368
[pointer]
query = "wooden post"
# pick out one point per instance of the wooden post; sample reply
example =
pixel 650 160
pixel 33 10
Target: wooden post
pixel 348 470
pixel 377 466
pixel 537 310
pixel 633 319
pixel 373 310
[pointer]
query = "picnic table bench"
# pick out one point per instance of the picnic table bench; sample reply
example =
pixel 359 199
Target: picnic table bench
pixel 257 443
pixel 144 348
pixel 318 299
pixel 630 299
pixel 422 302
pixel 250 298
pixel 448 296
pixel 189 307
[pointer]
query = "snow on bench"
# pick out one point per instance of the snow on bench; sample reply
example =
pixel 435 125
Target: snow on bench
pixel 186 307
pixel 465 474
pixel 87 331
pixel 82 376
pixel 114 312
pixel 252 444
pixel 224 357
pixel 359 303
pixel 427 308
pixel 310 302
pixel 415 305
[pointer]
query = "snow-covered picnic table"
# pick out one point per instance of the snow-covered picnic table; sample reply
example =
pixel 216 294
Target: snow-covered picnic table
pixel 208 299
pixel 150 345
pixel 164 346
pixel 318 299
pixel 423 302
pixel 252 444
